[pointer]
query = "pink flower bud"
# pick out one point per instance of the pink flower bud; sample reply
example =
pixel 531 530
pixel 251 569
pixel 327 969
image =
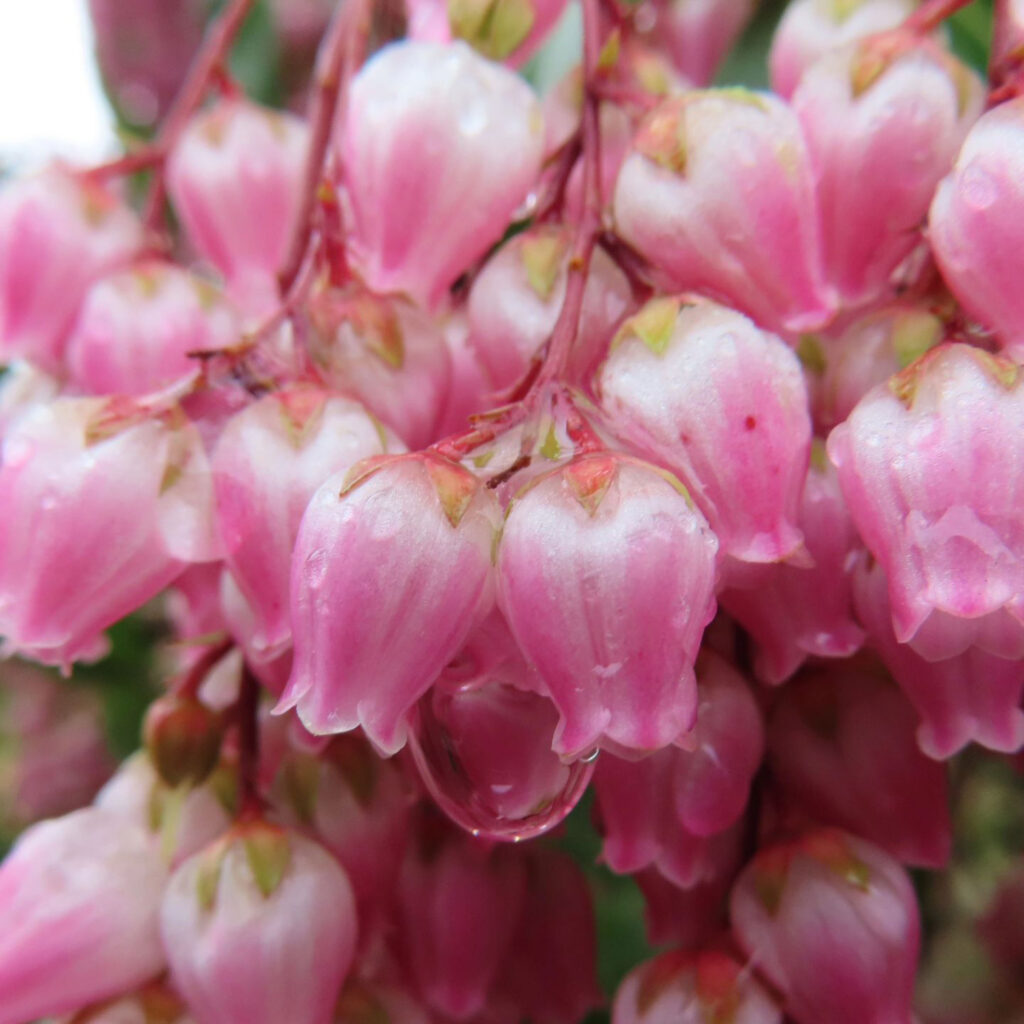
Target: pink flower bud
pixel 459 907
pixel 438 149
pixel 832 921
pixel 235 178
pixel 515 302
pixel 387 351
pixel 811 28
pixel 718 192
pixel 866 353
pixel 924 464
pixel 505 30
pixel 699 33
pixel 975 223
pixel 79 913
pixel 484 754
pixel 692 988
pixel 53 747
pixel 639 817
pixel 102 504
pixel 181 822
pixel 842 744
pixel 259 927
pixel 700 389
pixel 796 611
pixel 689 918
pixel 550 973
pixel 972 695
pixel 390 568
pixel 144 48
pixel 470 386
pixel 269 461
pixel 358 806
pixel 58 233
pixel 617 657
pixel 881 132
pixel 712 781
pixel 136 328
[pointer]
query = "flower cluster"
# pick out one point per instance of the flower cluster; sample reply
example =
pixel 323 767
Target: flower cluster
pixel 480 446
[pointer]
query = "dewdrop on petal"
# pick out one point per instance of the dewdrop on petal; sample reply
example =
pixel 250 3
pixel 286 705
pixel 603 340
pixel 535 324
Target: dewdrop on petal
pixel 928 467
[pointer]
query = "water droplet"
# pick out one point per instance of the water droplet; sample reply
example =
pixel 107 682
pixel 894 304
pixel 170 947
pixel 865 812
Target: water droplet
pixel 315 568
pixel 979 188
pixel 473 117
pixel 484 754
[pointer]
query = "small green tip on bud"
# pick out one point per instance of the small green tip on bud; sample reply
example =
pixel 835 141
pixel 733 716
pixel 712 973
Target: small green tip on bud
pixel 182 737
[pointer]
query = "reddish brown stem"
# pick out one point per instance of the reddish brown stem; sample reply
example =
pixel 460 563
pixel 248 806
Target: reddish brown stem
pixel 567 325
pixel 341 53
pixel 188 685
pixel 247 708
pixel 205 69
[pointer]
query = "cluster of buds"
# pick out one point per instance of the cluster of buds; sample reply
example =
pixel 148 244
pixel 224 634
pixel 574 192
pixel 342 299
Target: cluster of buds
pixel 477 446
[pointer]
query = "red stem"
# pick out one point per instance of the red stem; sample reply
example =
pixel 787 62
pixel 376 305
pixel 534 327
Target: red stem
pixel 567 326
pixel 189 684
pixel 247 712
pixel 341 52
pixel 206 67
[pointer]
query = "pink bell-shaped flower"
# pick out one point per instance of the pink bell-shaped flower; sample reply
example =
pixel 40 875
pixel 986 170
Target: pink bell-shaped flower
pixel 718 192
pixel 180 821
pixel 606 577
pixel 699 33
pixel 358 806
pixel 516 298
pixel 976 225
pixel 842 744
pixel 881 134
pixel 103 504
pixel 693 988
pixel 269 461
pixel 58 233
pixel 438 148
pixel 972 695
pixel 137 327
pixel 809 29
pixel 79 914
pixel 796 611
pixel 688 918
pixel 235 178
pixel 927 466
pixel 506 30
pixel 549 975
pixel 712 781
pixel 832 922
pixel 459 904
pixel 391 567
pixel 866 353
pixel 259 928
pixel 387 351
pixel 722 404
